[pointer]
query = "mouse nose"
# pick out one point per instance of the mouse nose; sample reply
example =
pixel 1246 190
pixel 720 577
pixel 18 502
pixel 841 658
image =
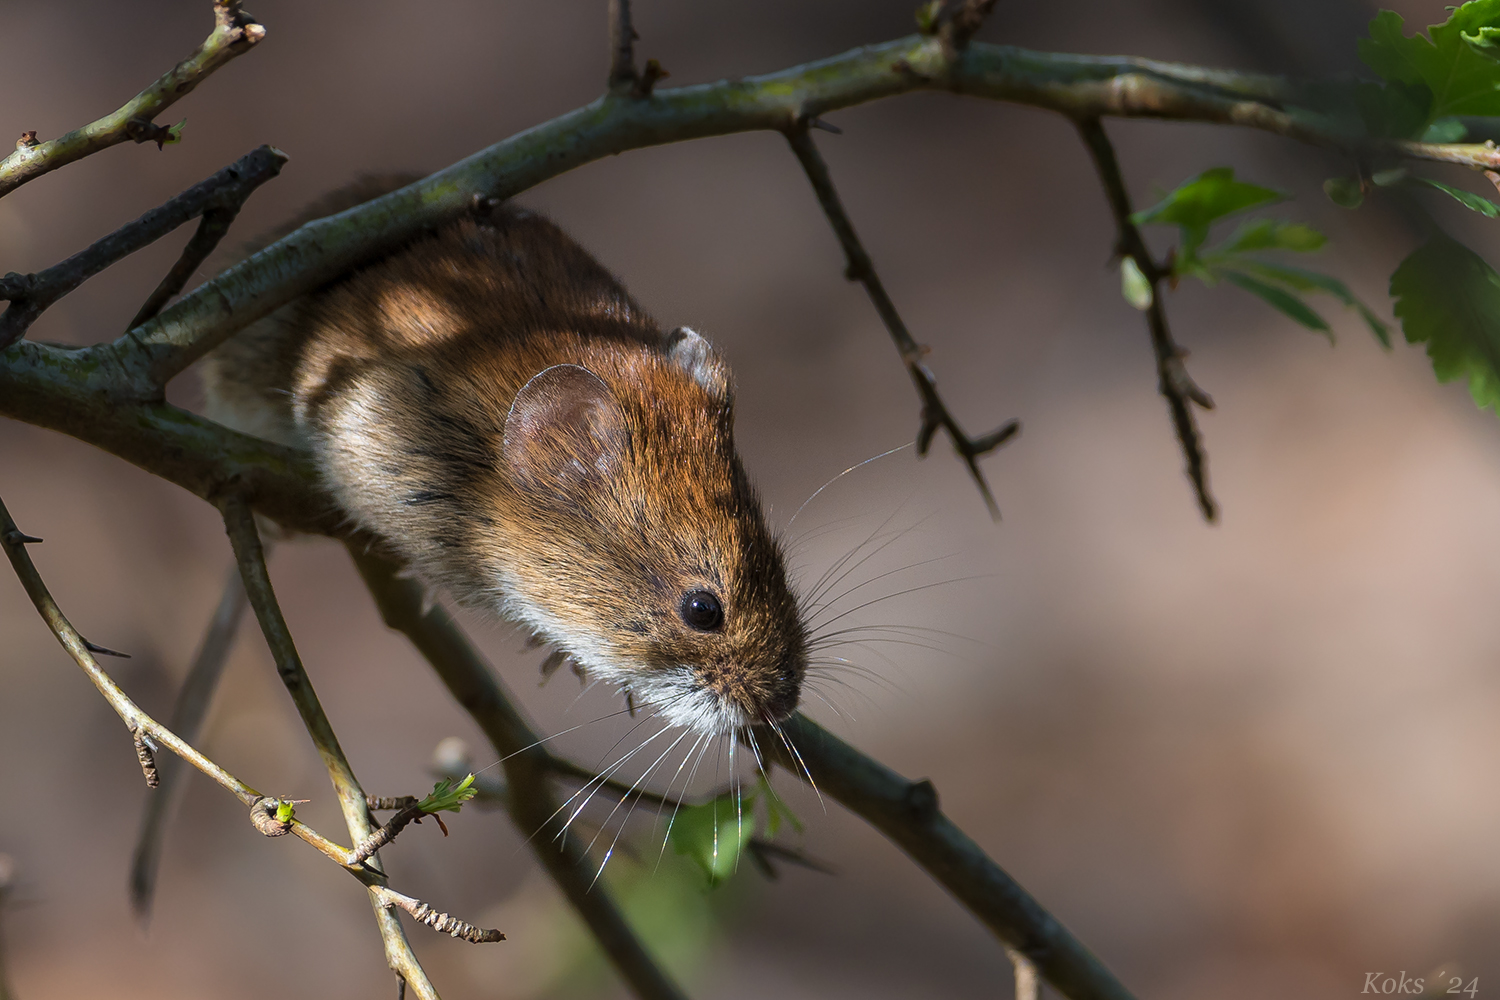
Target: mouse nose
pixel 785 692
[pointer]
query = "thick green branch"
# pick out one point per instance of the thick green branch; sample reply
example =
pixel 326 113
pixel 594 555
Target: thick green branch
pixel 234 32
pixel 907 812
pixel 1078 86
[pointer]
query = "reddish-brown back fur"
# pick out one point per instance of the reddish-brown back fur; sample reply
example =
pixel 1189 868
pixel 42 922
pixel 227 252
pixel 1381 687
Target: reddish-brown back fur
pixel 400 378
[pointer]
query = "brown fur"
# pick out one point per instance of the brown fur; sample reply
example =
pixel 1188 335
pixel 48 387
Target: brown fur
pixel 587 522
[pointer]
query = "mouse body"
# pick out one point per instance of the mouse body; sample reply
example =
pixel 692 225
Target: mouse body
pixel 492 403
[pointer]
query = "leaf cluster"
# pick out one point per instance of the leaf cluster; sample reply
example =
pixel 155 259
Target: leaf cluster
pixel 715 834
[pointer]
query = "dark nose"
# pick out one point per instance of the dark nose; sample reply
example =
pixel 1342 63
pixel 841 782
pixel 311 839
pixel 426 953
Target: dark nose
pixel 786 691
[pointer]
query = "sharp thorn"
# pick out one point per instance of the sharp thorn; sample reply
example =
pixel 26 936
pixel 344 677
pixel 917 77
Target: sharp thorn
pixel 988 443
pixel 94 647
pixel 819 123
pixel 18 537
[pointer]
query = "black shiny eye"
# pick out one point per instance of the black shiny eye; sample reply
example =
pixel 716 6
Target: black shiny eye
pixel 702 611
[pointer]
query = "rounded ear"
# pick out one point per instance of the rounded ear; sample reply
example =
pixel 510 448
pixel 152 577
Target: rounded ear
pixel 689 351
pixel 564 429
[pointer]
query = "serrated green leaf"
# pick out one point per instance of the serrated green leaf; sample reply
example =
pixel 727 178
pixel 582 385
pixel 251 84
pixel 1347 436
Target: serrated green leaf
pixel 446 797
pixel 1467 199
pixel 1133 284
pixel 1346 192
pixel 713 835
pixel 1445 130
pixel 1272 234
pixel 1393 110
pixel 1281 299
pixel 1463 81
pixel 1448 298
pixel 1198 203
pixel 1312 281
pixel 285 811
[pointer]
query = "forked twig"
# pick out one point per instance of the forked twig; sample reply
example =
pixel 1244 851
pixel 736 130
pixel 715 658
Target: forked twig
pixel 234 32
pixel 1173 380
pixel 935 413
pixel 217 199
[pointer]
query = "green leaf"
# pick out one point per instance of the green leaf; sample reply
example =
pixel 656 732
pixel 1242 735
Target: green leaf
pixel 174 132
pixel 285 810
pixel 1449 298
pixel 1273 234
pixel 1133 284
pixel 1467 199
pixel 1346 192
pixel 1393 110
pixel 1311 281
pixel 777 810
pixel 446 797
pixel 1198 203
pixel 1281 299
pixel 1445 130
pixel 713 835
pixel 1462 80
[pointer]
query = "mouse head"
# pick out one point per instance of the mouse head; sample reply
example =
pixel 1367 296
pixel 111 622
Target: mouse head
pixel 650 562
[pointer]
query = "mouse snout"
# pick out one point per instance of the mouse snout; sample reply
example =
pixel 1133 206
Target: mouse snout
pixel 783 695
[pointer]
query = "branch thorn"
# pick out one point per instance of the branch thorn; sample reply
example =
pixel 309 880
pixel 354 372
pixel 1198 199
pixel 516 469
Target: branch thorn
pixel 94 647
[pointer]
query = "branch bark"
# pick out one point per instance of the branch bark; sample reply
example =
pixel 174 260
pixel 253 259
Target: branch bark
pixel 234 32
pixel 907 812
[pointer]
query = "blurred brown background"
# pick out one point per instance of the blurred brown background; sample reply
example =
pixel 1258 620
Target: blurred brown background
pixel 1248 760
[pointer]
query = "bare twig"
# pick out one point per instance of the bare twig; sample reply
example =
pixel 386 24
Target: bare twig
pixel 530 801
pixel 622 37
pixel 217 199
pixel 239 522
pixel 440 922
pixel 935 413
pixel 1173 380
pixel 234 32
pixel 386 832
pixel 187 721
pixel 907 812
pixel 1028 986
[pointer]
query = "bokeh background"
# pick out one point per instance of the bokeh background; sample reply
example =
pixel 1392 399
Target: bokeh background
pixel 1253 759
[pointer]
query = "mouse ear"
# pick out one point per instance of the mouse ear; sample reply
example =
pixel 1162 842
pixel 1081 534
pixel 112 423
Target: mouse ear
pixel 565 428
pixel 689 351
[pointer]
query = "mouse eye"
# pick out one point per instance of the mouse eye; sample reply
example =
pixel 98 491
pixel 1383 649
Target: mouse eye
pixel 701 610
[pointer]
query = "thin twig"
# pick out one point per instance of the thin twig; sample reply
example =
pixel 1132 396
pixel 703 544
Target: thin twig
pixel 907 812
pixel 1028 985
pixel 440 922
pixel 1173 380
pixel 187 721
pixel 532 807
pixel 622 36
pixel 239 522
pixel 217 199
pixel 234 32
pixel 935 413
pixel 386 833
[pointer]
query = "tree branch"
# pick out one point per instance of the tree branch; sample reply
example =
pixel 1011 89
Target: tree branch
pixel 907 812
pixel 93 392
pixel 239 522
pixel 935 414
pixel 622 37
pixel 1173 380
pixel 468 678
pixel 234 32
pixel 217 199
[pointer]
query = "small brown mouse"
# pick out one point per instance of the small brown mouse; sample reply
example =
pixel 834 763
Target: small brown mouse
pixel 495 405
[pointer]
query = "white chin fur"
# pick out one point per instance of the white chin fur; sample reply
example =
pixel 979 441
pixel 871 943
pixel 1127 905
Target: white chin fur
pixel 679 700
